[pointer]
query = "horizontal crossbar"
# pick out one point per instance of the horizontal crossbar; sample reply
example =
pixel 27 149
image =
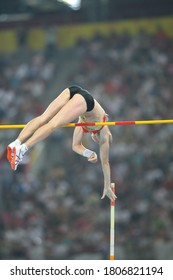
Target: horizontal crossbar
pixel 142 122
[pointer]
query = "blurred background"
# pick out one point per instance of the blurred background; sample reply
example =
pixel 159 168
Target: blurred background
pixel 122 52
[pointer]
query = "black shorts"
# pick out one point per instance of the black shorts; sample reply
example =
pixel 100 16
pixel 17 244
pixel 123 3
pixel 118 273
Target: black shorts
pixel 87 96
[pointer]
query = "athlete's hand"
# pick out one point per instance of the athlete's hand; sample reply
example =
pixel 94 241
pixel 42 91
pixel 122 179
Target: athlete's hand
pixel 109 193
pixel 93 157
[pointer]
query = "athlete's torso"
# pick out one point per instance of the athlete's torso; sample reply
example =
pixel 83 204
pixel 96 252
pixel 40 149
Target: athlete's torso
pixel 96 115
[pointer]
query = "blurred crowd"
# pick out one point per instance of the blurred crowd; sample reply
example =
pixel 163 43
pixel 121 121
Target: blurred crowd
pixel 57 213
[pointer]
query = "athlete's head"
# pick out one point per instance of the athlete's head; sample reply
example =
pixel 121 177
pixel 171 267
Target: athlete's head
pixel 97 136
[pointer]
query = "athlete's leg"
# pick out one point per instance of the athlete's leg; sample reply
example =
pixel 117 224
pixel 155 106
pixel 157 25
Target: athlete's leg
pixel 37 122
pixel 54 107
pixel 69 112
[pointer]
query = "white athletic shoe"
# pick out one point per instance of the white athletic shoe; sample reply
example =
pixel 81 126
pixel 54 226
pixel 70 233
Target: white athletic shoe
pixel 10 148
pixel 18 153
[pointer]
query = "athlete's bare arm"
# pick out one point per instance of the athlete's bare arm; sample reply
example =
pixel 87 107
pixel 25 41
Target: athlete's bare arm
pixel 78 147
pixel 104 156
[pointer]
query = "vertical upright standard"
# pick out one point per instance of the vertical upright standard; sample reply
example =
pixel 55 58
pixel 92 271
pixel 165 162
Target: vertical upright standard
pixel 112 226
